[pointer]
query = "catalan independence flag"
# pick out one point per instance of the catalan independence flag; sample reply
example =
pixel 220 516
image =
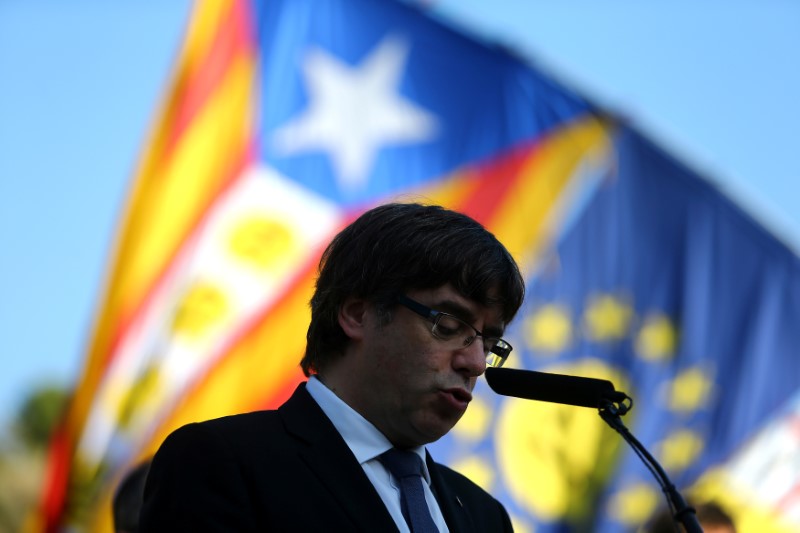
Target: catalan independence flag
pixel 288 118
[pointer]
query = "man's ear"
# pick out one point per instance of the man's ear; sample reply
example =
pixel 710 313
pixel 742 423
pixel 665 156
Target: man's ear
pixel 353 317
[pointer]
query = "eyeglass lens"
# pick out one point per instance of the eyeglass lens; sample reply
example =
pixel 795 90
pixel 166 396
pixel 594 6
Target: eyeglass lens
pixel 451 328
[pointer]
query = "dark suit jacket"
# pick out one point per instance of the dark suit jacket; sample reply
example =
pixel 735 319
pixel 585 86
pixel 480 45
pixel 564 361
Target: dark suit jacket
pixel 286 470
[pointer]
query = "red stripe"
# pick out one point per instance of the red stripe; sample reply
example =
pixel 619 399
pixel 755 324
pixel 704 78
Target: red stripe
pixel 54 495
pixel 233 39
pixel 276 399
pixel 128 316
pixel 246 328
pixel 494 179
pixel 191 95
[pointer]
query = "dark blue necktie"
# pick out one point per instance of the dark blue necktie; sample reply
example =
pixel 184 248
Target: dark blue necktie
pixel 406 467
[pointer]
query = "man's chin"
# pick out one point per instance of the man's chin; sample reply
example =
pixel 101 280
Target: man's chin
pixel 435 431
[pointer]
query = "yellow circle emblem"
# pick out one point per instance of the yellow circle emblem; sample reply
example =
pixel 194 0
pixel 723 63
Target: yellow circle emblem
pixel 554 459
pixel 263 242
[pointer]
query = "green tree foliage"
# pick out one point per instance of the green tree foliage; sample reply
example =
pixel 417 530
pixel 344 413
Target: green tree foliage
pixel 39 414
pixel 23 452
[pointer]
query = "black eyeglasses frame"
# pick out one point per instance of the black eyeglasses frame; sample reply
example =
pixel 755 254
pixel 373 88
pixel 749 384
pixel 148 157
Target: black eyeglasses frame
pixel 497 349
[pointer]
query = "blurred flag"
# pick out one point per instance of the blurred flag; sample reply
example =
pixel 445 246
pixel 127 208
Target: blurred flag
pixel 661 284
pixel 285 120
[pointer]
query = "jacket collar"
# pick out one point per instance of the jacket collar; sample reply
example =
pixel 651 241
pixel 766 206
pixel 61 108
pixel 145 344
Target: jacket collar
pixel 453 510
pixel 330 459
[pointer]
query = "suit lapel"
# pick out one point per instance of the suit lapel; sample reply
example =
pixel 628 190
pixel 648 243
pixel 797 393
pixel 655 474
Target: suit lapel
pixel 455 515
pixel 331 460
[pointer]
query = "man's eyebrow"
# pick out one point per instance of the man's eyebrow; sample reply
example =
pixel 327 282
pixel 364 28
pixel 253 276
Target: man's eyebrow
pixel 464 313
pixel 493 331
pixel 454 308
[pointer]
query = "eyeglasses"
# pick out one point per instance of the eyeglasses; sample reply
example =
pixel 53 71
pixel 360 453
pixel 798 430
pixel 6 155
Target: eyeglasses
pixel 457 333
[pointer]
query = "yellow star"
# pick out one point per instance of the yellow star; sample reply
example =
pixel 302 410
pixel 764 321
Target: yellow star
pixel 607 318
pixel 549 329
pixel 202 307
pixel 657 338
pixel 634 504
pixel 568 451
pixel 679 450
pixel 262 242
pixel 689 391
pixel 143 397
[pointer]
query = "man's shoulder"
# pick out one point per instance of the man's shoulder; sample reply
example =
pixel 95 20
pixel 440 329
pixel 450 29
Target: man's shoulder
pixel 242 422
pixel 246 429
pixel 265 429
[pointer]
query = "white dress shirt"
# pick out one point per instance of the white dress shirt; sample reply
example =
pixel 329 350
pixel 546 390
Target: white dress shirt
pixel 367 444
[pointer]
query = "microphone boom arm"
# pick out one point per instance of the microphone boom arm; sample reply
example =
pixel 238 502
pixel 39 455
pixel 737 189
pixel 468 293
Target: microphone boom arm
pixel 597 394
pixel 685 514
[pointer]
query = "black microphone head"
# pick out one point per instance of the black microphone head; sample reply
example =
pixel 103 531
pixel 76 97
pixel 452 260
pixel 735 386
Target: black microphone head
pixel 556 388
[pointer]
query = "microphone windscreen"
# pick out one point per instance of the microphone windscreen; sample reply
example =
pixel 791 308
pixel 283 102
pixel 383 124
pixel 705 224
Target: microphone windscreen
pixel 555 388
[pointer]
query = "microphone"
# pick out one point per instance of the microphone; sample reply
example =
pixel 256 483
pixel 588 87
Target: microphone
pixel 554 388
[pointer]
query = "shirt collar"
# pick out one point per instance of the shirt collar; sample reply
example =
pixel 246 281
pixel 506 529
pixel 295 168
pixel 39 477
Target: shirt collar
pixel 362 437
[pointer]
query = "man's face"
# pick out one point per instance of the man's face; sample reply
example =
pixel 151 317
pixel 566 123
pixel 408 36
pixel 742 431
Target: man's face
pixel 412 386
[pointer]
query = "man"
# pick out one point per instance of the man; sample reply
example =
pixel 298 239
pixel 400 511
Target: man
pixel 127 501
pixel 711 516
pixel 410 304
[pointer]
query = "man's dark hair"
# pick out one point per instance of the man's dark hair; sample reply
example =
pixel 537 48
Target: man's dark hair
pixel 708 514
pixel 712 514
pixel 128 498
pixel 397 247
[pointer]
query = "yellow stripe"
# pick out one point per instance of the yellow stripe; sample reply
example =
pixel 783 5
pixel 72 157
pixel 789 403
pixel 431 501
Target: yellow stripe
pixel 206 20
pixel 204 157
pixel 223 123
pixel 127 288
pixel 449 192
pixel 524 222
pixel 258 366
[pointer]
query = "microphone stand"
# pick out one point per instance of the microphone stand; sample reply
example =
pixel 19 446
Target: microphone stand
pixel 611 412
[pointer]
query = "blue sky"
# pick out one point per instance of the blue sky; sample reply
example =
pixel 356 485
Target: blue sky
pixel 716 82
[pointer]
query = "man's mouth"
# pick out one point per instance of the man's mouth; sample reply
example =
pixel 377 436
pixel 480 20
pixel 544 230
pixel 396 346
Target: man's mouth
pixel 461 395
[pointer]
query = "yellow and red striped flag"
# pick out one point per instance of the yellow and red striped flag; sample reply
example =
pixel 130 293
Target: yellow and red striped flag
pixel 288 118
pixel 284 121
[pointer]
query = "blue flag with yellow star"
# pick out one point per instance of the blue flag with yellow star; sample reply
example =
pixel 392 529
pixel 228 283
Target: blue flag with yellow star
pixel 664 286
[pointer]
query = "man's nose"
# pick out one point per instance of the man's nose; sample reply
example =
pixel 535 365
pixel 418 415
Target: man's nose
pixel 471 360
